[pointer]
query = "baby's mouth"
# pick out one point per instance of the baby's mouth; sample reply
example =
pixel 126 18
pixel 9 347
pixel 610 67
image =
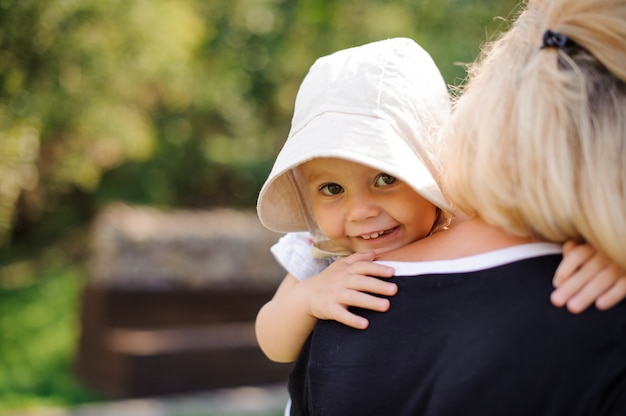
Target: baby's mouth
pixel 376 234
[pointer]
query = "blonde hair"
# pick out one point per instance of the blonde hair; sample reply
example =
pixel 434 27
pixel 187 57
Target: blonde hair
pixel 537 141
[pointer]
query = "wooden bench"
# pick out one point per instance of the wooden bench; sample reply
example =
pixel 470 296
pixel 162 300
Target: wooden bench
pixel 151 327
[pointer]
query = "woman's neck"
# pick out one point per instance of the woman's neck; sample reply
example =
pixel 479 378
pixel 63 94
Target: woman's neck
pixel 464 238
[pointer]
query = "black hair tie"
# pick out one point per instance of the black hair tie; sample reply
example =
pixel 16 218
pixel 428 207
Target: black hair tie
pixel 556 40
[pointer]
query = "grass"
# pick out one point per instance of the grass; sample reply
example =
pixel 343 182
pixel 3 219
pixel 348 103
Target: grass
pixel 38 333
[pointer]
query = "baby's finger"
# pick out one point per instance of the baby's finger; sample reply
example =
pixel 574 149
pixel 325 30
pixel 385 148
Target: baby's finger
pixel 568 246
pixel 366 301
pixel 570 287
pixel 366 268
pixel 350 319
pixel 575 256
pixel 373 285
pixel 363 263
pixel 613 296
pixel 358 257
pixel 588 294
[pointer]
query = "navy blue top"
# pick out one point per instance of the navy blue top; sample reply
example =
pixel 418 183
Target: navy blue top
pixel 484 341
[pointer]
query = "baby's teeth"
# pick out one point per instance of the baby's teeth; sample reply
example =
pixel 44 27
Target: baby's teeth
pixel 373 235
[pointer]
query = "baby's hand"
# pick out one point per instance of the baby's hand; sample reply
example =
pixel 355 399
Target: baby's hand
pixel 349 282
pixel 586 276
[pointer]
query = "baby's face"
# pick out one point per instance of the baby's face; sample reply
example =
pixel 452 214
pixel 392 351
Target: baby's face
pixel 363 209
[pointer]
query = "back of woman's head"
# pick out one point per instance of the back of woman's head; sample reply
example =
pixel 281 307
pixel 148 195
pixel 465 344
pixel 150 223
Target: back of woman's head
pixel 537 142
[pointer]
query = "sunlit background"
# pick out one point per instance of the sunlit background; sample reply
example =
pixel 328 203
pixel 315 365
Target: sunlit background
pixel 169 104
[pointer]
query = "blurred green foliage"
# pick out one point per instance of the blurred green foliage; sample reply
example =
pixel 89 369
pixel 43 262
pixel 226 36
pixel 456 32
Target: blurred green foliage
pixel 38 323
pixel 177 102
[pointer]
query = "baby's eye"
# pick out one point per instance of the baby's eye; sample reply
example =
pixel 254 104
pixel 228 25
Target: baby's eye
pixel 331 189
pixel 384 180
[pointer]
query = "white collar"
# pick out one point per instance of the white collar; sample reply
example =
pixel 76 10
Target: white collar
pixel 473 263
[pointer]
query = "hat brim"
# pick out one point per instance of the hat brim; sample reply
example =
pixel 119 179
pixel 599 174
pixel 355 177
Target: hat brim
pixel 280 206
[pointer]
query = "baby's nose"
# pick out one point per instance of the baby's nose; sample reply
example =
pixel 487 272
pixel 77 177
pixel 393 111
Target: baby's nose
pixel 362 208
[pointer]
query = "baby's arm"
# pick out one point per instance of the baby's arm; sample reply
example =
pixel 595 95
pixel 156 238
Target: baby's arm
pixel 285 322
pixel 586 276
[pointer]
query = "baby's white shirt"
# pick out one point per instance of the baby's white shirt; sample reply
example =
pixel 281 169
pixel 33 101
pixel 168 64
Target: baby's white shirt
pixel 293 252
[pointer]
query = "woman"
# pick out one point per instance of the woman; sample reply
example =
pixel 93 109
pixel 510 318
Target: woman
pixel 535 155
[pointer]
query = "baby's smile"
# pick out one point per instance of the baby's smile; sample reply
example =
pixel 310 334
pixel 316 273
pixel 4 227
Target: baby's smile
pixel 376 234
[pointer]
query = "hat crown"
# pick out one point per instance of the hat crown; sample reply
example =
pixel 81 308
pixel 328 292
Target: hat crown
pixel 393 79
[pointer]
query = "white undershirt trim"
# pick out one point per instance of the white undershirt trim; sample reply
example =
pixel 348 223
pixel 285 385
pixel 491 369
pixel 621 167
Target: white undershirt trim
pixel 474 263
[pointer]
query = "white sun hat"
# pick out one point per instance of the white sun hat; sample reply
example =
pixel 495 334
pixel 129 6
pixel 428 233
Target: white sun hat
pixel 380 105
